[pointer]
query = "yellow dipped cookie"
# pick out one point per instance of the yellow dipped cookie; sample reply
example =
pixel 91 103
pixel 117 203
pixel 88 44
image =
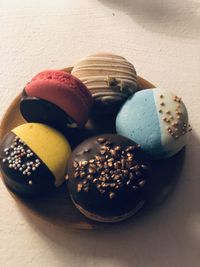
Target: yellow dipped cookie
pixel 33 153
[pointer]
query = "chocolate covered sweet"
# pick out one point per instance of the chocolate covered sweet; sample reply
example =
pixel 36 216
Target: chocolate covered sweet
pixel 56 98
pixel 110 78
pixel 33 158
pixel 157 119
pixel 107 178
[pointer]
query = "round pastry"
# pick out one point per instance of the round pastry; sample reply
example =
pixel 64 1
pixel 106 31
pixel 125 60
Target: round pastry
pixel 157 119
pixel 107 178
pixel 111 79
pixel 56 98
pixel 33 158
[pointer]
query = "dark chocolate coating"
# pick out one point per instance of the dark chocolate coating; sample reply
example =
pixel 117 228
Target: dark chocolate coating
pixel 126 198
pixel 42 178
pixel 108 104
pixel 34 109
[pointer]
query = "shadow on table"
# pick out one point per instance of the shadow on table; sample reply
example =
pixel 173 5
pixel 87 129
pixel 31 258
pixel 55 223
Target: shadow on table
pixel 173 17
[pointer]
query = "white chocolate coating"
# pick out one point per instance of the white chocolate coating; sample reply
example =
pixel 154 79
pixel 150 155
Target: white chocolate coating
pixel 173 120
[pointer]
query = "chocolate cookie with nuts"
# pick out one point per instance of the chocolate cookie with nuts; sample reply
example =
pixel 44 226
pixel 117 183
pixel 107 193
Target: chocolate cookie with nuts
pixel 107 178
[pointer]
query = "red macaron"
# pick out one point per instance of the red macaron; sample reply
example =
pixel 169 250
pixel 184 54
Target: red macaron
pixel 55 96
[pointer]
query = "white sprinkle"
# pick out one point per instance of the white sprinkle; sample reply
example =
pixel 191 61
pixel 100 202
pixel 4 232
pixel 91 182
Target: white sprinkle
pixel 4 160
pixel 28 173
pixel 30 182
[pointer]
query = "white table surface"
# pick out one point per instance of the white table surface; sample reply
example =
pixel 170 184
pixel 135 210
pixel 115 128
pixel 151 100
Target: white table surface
pixel 162 39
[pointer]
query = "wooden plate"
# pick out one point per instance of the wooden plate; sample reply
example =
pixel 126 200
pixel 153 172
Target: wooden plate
pixel 57 208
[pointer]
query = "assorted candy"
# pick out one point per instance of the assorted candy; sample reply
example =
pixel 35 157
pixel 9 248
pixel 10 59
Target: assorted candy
pixel 108 176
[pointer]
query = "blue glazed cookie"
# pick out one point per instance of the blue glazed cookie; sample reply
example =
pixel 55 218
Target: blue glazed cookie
pixel 156 119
